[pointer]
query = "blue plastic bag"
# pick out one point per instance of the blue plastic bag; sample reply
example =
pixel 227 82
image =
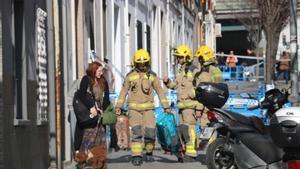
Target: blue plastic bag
pixel 166 131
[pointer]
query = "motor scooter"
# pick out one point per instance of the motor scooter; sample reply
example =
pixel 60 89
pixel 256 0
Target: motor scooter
pixel 245 142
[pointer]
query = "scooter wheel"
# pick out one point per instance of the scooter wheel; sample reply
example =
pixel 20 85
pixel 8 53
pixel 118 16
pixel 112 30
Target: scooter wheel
pixel 218 157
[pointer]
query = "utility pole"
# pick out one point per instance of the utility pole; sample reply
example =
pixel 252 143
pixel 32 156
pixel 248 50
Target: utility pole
pixel 294 53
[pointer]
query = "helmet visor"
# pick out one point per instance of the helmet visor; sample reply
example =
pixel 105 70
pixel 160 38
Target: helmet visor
pixel 142 66
pixel 201 59
pixel 180 57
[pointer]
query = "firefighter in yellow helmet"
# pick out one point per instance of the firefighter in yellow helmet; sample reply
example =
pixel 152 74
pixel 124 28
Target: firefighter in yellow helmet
pixel 183 84
pixel 208 73
pixel 140 85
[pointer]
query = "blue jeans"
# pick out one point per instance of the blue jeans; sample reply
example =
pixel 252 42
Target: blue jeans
pixel 285 75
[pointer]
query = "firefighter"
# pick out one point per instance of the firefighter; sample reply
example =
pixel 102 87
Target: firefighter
pixel 208 72
pixel 183 84
pixel 139 84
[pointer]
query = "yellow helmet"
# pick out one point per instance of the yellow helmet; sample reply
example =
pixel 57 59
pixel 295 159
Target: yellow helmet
pixel 185 52
pixel 206 52
pixel 141 56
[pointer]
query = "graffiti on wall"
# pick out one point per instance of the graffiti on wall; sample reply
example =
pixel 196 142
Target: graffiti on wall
pixel 41 52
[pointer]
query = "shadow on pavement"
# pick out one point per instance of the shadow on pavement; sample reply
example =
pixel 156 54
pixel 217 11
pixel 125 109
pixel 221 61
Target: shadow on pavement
pixel 202 159
pixel 160 158
pixel 121 159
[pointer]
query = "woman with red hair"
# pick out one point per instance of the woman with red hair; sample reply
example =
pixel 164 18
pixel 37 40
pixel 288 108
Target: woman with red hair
pixel 95 84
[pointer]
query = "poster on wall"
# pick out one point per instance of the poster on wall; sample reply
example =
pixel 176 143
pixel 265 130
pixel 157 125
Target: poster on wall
pixel 42 60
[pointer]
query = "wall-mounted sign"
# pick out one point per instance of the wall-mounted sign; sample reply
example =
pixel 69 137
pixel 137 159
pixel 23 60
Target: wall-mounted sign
pixel 42 59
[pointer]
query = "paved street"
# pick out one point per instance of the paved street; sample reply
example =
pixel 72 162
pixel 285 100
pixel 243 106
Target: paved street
pixel 121 160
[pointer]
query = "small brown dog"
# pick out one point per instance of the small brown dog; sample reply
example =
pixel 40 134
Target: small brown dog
pixel 96 157
pixel 80 158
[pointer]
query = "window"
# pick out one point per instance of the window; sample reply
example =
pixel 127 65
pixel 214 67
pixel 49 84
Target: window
pixel 179 36
pixel 129 19
pixel 139 34
pixel 104 29
pixel 148 39
pixel 91 26
pixel 20 64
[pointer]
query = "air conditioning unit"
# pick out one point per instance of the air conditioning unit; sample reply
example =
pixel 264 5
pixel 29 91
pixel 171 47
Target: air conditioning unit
pixel 218 30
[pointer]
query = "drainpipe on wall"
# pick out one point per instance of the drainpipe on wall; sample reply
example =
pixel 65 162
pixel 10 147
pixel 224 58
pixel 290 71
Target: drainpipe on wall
pixel 57 81
pixel 80 37
pixel 51 68
pixel 66 81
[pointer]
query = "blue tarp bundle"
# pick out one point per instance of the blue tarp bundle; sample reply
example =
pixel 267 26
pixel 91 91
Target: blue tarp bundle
pixel 166 129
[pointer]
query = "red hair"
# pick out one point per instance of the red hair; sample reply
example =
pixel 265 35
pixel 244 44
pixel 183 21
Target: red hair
pixel 91 72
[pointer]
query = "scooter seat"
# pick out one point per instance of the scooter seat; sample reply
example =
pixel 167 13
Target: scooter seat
pixel 262 146
pixel 236 116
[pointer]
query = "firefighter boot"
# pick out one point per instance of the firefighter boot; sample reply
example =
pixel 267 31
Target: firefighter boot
pixel 137 160
pixel 149 157
pixel 189 159
pixel 149 150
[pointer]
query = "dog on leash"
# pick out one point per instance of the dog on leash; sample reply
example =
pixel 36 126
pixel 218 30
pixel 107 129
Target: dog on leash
pixel 96 157
pixel 80 158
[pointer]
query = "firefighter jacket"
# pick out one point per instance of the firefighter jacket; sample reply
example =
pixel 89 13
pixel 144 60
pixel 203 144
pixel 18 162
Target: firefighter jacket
pixel 183 85
pixel 208 73
pixel 140 86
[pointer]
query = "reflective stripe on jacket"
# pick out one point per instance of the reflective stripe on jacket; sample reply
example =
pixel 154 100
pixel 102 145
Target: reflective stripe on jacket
pixel 184 87
pixel 140 87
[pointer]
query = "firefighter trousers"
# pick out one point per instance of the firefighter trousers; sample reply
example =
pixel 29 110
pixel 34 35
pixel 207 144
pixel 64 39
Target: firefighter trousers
pixel 143 128
pixel 187 131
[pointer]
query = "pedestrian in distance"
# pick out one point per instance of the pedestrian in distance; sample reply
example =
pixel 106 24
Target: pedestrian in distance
pixel 231 62
pixel 231 59
pixel 284 67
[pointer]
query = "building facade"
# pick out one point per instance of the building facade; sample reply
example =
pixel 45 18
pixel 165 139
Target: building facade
pixel 114 30
pixel 45 47
pixel 24 131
